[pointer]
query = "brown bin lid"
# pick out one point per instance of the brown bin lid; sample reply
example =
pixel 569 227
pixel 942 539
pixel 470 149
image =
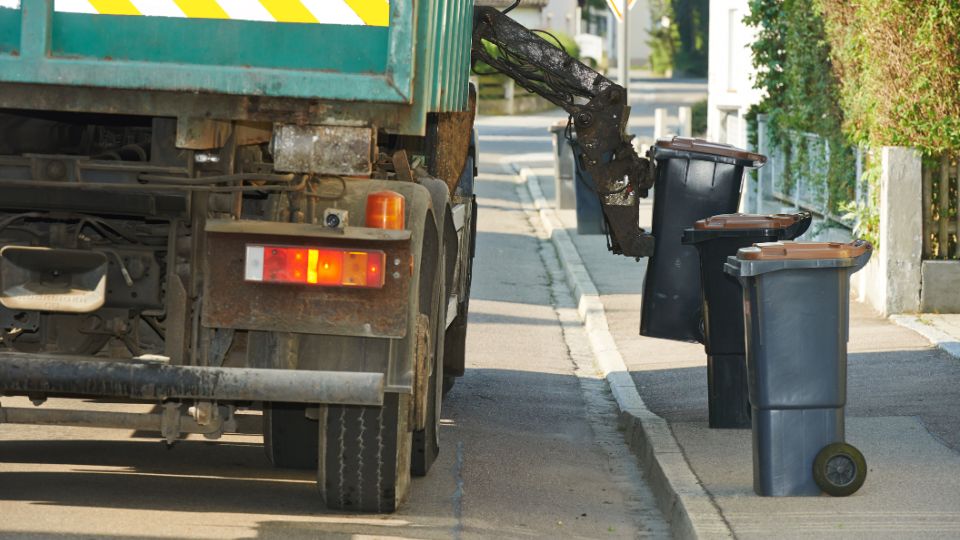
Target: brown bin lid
pixel 748 221
pixel 779 251
pixel 706 147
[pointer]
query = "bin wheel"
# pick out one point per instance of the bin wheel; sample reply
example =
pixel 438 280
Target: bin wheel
pixel 839 469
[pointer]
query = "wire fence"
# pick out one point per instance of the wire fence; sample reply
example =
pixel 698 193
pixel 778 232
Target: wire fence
pixel 804 187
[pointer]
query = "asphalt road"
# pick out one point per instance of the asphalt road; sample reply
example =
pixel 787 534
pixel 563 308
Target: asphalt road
pixel 529 441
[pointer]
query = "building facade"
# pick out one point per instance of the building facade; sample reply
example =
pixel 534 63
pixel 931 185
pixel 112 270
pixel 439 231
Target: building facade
pixel 731 72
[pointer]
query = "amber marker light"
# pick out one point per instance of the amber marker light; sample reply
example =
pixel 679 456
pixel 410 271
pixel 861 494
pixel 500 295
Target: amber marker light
pixel 385 210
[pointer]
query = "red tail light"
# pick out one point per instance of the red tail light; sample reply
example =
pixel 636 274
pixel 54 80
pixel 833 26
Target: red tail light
pixel 330 267
pixel 385 210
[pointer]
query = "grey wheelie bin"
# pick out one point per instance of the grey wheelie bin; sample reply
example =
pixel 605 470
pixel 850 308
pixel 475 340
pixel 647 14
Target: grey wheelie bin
pixel 563 167
pixel 590 218
pixel 695 179
pixel 715 239
pixel 796 302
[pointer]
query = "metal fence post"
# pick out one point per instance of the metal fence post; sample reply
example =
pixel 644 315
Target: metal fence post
pixel 763 147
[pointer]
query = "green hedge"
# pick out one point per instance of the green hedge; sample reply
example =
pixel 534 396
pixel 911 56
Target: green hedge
pixel 899 66
pixel 792 57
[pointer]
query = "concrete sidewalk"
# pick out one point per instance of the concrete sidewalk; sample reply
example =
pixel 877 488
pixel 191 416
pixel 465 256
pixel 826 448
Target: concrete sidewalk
pixel 903 411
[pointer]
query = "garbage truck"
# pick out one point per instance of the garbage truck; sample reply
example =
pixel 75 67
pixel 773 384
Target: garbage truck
pixel 260 216
pixel 217 209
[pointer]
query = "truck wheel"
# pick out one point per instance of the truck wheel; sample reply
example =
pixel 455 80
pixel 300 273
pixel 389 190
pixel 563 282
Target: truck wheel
pixel 455 346
pixel 448 382
pixel 290 439
pixel 426 442
pixel 455 340
pixel 365 464
pixel 839 469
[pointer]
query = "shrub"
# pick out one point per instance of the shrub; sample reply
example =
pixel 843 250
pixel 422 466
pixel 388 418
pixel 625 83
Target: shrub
pixel 698 118
pixel 792 57
pixel 899 66
pixel 682 45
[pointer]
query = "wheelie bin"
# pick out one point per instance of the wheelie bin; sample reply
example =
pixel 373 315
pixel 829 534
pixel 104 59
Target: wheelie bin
pixel 695 179
pixel 563 167
pixel 715 239
pixel 590 219
pixel 796 302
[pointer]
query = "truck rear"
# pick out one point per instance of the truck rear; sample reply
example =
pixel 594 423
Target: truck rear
pixel 227 207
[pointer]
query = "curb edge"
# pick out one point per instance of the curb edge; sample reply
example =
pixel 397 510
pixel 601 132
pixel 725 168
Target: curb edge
pixel 940 339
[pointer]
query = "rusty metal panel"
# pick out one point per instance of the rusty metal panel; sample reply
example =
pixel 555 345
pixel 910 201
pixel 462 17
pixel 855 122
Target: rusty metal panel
pixel 206 134
pixel 334 150
pixel 231 302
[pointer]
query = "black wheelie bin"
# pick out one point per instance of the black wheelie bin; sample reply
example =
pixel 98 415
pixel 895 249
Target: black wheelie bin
pixel 715 239
pixel 796 304
pixel 695 179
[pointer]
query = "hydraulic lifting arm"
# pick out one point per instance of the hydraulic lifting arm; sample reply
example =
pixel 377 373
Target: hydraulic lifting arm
pixel 598 108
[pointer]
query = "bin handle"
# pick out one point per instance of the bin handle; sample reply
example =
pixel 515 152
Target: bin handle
pixel 861 260
pixel 800 226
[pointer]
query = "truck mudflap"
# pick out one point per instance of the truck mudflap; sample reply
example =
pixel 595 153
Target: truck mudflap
pixel 35 375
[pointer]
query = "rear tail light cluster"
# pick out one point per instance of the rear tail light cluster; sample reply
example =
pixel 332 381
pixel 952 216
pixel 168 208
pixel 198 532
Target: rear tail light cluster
pixel 330 267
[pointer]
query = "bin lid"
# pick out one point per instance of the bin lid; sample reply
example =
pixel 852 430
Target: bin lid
pixel 755 228
pixel 559 126
pixel 749 221
pixel 793 251
pixel 701 146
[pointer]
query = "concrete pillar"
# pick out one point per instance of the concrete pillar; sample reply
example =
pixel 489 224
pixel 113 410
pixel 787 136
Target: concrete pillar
pixel 659 123
pixel 508 94
pixel 686 122
pixel 901 231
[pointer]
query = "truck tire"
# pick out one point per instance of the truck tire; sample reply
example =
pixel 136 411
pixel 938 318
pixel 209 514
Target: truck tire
pixel 290 439
pixel 365 465
pixel 455 338
pixel 365 457
pixel 455 346
pixel 426 442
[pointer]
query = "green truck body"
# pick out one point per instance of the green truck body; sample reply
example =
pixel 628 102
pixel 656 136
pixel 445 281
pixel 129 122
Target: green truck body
pixel 416 65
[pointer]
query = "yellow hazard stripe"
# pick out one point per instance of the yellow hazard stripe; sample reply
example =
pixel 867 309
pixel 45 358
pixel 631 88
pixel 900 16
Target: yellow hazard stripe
pixel 115 7
pixel 201 9
pixel 291 11
pixel 373 12
pixel 349 12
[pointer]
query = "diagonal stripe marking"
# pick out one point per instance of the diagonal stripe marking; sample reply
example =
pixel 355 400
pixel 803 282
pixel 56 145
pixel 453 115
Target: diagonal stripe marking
pixel 114 7
pixel 290 11
pixel 373 12
pixel 332 12
pixel 247 10
pixel 74 6
pixel 202 9
pixel 158 8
